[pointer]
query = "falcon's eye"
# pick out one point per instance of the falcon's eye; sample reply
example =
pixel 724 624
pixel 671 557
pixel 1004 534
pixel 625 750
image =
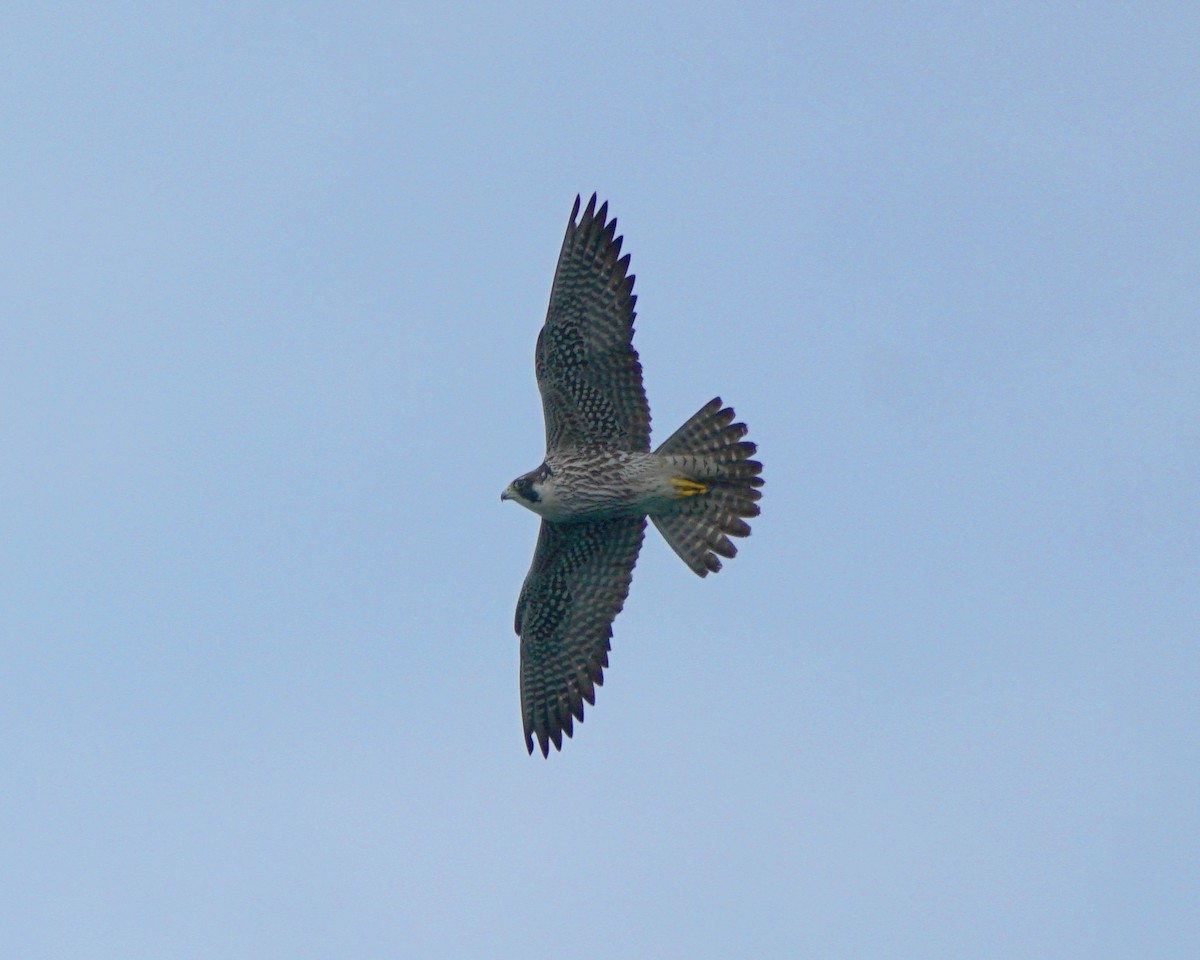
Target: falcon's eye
pixel 524 487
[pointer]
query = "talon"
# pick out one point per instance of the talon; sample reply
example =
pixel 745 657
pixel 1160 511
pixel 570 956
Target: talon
pixel 687 488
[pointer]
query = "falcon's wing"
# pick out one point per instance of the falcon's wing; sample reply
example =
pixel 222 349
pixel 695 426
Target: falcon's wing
pixel 576 586
pixel 587 369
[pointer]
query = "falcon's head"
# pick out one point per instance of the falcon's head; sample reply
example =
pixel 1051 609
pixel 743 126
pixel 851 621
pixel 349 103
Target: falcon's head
pixel 530 489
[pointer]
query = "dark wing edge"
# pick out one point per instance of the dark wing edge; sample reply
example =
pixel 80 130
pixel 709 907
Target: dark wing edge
pixel 587 369
pixel 576 586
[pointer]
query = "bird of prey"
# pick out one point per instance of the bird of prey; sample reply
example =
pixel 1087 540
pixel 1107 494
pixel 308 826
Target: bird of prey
pixel 600 480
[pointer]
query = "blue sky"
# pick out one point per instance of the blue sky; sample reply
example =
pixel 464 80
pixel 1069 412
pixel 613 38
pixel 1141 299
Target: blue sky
pixel 272 277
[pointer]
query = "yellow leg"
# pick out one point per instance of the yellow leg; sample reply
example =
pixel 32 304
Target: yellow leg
pixel 687 488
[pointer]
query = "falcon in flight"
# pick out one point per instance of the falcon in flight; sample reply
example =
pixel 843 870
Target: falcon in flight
pixel 600 480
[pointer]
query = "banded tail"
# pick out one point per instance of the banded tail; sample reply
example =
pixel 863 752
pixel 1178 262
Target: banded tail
pixel 717 485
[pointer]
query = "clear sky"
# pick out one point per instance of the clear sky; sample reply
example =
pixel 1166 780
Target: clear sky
pixel 271 277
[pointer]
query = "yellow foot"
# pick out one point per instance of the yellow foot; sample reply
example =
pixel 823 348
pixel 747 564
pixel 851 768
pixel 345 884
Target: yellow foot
pixel 687 488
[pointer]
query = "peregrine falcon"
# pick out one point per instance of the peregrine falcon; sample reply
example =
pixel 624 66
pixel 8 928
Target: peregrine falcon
pixel 600 480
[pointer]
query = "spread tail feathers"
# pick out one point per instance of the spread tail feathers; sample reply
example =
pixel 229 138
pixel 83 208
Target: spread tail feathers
pixel 708 452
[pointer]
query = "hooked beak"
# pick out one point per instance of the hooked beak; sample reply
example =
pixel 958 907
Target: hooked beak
pixel 507 495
